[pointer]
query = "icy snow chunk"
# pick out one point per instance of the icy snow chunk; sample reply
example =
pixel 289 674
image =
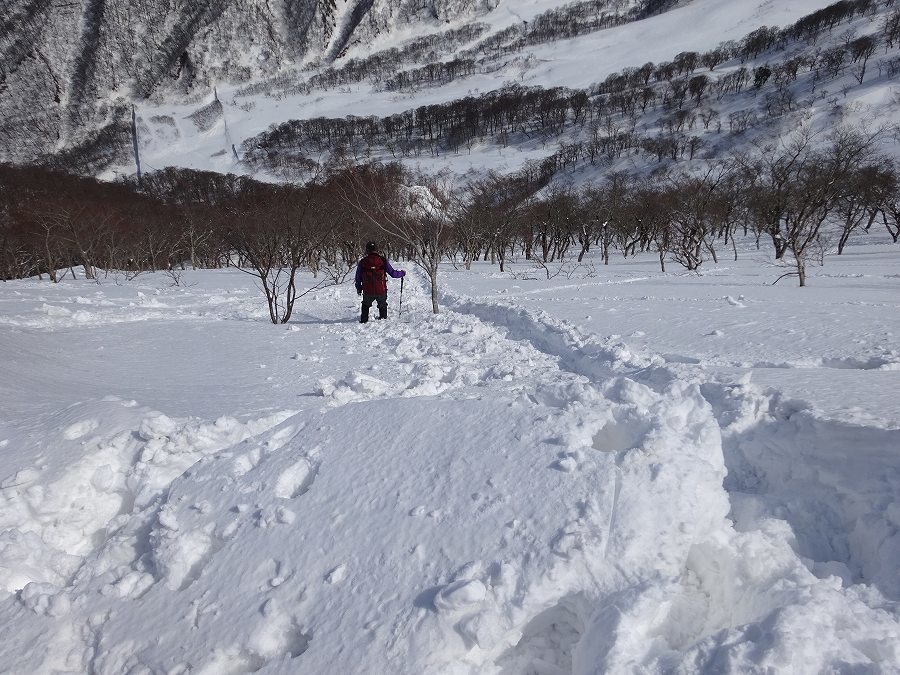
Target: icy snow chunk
pixel 203 506
pixel 285 516
pixel 337 575
pixel 566 464
pixel 277 634
pixel 228 531
pixel 45 599
pixel 168 519
pixel 460 595
pixel 355 386
pixel 295 480
pixel 482 629
pixel 566 543
pixel 156 426
pixel 246 462
pixel 180 558
pixel 82 316
pixel 25 557
pixel 51 310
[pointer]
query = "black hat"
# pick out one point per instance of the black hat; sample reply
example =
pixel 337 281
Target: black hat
pixel 371 247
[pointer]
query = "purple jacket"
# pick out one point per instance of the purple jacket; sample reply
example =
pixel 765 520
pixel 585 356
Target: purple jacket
pixel 396 274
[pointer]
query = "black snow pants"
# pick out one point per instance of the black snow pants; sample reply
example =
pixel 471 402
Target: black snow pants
pixel 367 303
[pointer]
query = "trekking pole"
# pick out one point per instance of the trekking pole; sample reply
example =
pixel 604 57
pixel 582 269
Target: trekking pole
pixel 400 313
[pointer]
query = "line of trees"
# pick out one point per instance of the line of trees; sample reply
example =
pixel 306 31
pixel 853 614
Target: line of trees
pixel 801 196
pixel 376 67
pixel 51 223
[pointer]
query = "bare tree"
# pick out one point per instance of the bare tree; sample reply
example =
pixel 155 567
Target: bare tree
pixel 605 213
pixel 502 202
pixel 889 205
pixel 271 231
pixel 414 211
pixel 696 213
pixel 859 197
pixel 814 178
pixel 861 50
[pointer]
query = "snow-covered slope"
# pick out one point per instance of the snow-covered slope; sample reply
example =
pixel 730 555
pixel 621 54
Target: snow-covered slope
pixel 699 25
pixel 599 486
pixel 268 62
pixel 67 70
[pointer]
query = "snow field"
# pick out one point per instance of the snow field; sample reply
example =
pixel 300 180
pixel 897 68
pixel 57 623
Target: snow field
pixel 496 489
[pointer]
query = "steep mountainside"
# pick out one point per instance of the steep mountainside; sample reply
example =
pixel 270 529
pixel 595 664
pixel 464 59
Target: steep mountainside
pixel 69 73
pixel 69 69
pixel 274 89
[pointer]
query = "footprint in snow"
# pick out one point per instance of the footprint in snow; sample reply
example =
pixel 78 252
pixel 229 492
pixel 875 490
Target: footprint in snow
pixel 79 429
pixel 279 633
pixel 460 595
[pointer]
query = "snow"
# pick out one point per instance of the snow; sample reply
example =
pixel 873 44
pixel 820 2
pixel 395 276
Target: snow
pixel 698 25
pixel 617 470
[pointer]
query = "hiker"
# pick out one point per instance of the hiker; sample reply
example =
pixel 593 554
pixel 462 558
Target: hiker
pixel 371 282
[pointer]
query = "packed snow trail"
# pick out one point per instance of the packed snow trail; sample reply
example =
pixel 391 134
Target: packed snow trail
pixel 483 491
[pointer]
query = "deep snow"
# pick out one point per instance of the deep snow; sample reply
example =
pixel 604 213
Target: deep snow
pixel 606 473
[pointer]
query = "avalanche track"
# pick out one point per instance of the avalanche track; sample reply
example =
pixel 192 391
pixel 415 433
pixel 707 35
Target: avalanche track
pixel 487 490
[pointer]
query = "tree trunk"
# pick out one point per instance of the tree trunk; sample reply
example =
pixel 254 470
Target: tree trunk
pixel 433 276
pixel 801 269
pixel 781 246
pixel 845 236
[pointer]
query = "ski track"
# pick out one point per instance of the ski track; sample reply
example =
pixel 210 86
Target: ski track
pixel 666 458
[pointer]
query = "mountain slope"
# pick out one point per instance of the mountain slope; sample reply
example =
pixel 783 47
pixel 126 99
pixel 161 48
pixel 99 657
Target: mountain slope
pixel 265 120
pixel 67 69
pixel 227 87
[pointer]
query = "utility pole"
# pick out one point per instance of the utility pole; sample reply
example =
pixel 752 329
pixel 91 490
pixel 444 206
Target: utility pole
pixel 134 142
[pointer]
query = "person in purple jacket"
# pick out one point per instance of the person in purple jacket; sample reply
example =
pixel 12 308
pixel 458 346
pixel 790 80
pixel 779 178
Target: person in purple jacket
pixel 371 281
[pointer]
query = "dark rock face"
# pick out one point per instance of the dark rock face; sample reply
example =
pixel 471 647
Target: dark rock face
pixel 68 70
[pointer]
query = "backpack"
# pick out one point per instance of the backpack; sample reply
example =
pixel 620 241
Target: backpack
pixel 373 276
